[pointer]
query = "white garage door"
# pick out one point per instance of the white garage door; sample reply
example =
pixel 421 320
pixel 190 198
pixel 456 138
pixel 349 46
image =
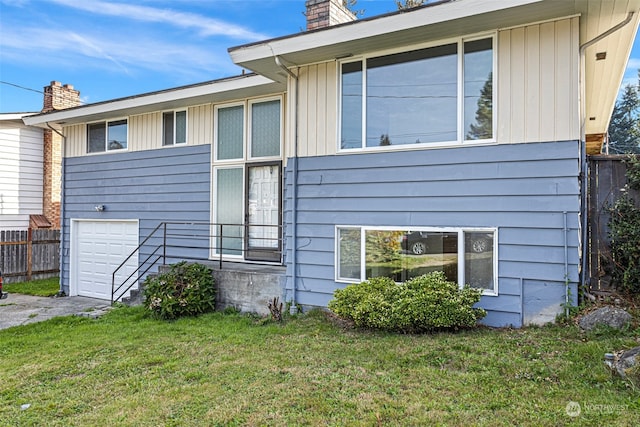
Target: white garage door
pixel 98 248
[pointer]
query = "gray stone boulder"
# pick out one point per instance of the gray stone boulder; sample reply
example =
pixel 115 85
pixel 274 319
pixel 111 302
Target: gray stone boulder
pixel 613 317
pixel 622 362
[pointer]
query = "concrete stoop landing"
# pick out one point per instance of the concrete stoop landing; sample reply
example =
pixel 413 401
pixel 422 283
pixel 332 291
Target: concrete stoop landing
pixel 246 287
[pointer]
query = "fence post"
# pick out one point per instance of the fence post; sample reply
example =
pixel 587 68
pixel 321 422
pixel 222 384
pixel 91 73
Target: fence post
pixel 29 254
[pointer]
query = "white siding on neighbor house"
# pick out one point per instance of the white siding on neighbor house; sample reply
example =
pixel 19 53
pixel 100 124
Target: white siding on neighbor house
pixel 538 85
pixel 20 174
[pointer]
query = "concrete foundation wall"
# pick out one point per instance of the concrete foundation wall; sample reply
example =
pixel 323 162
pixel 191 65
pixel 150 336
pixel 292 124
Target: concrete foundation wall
pixel 249 291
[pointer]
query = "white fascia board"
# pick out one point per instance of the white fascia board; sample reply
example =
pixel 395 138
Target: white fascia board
pixel 357 30
pixel 15 116
pixel 218 90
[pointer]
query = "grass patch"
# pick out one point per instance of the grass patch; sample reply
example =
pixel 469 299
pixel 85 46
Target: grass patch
pixel 41 288
pixel 128 369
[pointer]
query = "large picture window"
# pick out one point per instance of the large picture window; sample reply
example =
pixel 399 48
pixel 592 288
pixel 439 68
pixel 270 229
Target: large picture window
pixel 440 94
pixel 107 136
pixel 466 256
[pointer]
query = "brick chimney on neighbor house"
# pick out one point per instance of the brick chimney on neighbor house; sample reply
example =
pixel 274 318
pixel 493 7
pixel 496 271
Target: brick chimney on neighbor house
pixel 325 13
pixel 56 97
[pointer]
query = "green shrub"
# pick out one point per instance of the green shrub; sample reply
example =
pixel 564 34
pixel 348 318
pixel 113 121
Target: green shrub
pixel 624 231
pixel 186 290
pixel 424 303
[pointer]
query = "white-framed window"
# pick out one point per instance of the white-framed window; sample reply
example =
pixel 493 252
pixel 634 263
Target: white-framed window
pixel 247 179
pixel 174 127
pixel 107 136
pixel 467 256
pixel 429 96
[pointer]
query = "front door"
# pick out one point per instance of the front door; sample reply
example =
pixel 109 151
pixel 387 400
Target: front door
pixel 263 212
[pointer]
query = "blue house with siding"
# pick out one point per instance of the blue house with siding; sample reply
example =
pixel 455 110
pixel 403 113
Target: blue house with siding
pixel 448 137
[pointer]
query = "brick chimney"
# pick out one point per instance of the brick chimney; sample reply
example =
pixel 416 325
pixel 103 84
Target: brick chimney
pixel 56 97
pixel 59 97
pixel 324 13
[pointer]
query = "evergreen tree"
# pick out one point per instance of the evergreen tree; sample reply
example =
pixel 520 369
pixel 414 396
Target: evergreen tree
pixel 624 128
pixel 483 127
pixel 409 4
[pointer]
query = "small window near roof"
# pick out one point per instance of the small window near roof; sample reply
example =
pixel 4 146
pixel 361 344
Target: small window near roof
pixel 107 136
pixel 174 127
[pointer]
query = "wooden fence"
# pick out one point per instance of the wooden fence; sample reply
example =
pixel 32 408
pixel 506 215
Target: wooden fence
pixel 606 180
pixel 29 255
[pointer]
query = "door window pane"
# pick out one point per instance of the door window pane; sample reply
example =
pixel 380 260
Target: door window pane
pixel 351 111
pixel 230 133
pixel 264 206
pixel 229 203
pixel 265 129
pixel 478 89
pixel 412 97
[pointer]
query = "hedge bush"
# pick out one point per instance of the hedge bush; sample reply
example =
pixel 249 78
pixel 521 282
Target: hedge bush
pixel 425 303
pixel 186 290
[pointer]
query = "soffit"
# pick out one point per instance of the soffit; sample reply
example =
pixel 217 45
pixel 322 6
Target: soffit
pixel 218 91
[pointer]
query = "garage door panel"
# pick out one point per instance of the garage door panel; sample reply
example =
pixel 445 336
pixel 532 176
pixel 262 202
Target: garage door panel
pixel 102 246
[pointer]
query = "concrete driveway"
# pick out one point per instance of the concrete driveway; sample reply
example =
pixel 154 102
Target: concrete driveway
pixel 23 309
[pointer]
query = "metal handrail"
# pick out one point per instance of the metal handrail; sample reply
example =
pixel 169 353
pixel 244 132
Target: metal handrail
pixel 218 236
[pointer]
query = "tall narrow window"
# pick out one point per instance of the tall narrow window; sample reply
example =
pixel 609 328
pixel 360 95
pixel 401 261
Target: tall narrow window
pixel 174 127
pixel 228 208
pixel 478 89
pixel 265 129
pixel 351 135
pixel 230 137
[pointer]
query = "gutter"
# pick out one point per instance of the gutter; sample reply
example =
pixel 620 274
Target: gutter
pixel 62 201
pixel 294 192
pixel 583 145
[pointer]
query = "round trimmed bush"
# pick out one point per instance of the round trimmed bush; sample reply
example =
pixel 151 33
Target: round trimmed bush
pixel 186 290
pixel 425 303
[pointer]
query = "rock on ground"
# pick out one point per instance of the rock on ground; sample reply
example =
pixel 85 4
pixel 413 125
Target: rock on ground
pixel 610 316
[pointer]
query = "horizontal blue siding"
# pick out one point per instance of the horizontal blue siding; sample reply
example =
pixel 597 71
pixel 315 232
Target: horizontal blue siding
pixel 151 186
pixel 522 189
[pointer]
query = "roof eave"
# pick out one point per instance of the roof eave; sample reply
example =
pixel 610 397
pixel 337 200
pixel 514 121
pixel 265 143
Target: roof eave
pixel 215 91
pixel 344 40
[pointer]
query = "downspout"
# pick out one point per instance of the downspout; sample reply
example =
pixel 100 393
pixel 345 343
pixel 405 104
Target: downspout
pixel 294 192
pixel 62 202
pixel 583 145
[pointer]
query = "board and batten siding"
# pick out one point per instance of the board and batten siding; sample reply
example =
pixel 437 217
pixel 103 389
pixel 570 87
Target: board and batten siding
pixel 521 189
pixel 151 186
pixel 537 90
pixel 21 163
pixel 145 131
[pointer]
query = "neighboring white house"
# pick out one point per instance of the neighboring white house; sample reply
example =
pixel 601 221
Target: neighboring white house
pixel 21 163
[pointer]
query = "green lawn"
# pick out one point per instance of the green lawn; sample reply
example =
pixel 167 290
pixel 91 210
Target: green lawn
pixel 41 288
pixel 127 369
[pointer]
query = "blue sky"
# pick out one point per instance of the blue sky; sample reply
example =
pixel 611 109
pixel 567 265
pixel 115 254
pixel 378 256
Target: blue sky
pixel 113 48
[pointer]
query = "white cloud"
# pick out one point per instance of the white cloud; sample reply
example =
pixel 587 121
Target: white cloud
pixel 205 26
pixel 29 45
